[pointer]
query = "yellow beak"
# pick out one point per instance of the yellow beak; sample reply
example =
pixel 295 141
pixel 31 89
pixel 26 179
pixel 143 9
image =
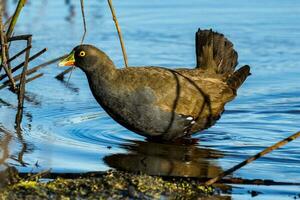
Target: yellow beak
pixel 68 61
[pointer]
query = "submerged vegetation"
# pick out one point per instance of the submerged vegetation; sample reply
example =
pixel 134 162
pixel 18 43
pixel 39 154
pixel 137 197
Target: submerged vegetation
pixel 112 184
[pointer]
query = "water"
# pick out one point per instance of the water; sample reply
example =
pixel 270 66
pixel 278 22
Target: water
pixel 67 131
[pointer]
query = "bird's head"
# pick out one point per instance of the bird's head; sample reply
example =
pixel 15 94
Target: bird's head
pixel 86 57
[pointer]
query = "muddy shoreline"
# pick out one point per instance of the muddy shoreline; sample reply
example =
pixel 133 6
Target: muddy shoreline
pixel 109 185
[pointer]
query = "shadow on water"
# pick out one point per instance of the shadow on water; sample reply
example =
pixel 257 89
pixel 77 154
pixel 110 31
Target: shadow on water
pixel 175 160
pixel 69 85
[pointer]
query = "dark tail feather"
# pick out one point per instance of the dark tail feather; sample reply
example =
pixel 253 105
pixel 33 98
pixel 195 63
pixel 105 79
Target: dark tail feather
pixel 238 77
pixel 215 52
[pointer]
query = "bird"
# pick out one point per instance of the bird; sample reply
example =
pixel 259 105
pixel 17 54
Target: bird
pixel 165 103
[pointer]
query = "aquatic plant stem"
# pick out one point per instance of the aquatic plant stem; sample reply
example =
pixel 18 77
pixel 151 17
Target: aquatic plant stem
pixel 119 32
pixel 252 158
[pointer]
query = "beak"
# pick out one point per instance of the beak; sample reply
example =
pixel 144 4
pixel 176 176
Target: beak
pixel 68 61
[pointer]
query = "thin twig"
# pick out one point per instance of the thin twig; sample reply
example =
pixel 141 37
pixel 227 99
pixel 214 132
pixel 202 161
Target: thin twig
pixel 37 176
pixel 15 38
pixel 31 71
pixel 33 78
pixel 242 181
pixel 19 37
pixel 119 32
pixel 48 63
pixel 18 54
pixel 83 19
pixel 5 84
pixel 82 39
pixel 29 60
pixel 252 158
pixel 62 74
pixel 7 22
pixel 22 64
pixel 15 18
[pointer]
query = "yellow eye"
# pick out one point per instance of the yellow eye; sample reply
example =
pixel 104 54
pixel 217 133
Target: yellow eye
pixel 82 53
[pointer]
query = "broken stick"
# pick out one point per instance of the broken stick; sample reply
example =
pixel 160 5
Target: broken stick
pixel 119 32
pixel 252 158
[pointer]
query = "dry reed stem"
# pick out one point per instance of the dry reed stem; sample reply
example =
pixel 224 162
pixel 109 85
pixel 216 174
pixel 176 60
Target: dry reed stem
pixel 22 64
pixel 119 32
pixel 33 78
pixel 19 37
pixel 17 78
pixel 3 54
pixel 18 54
pixel 252 158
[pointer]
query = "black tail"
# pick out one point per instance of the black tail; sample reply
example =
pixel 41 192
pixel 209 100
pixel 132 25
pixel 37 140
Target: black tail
pixel 215 52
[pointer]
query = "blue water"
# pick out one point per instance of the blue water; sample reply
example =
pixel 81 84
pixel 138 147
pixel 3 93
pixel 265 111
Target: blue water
pixel 67 131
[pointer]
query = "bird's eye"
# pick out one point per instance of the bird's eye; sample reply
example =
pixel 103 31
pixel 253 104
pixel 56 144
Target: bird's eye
pixel 82 53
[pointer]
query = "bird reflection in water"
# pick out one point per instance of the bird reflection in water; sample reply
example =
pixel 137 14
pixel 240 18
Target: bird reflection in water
pixel 185 160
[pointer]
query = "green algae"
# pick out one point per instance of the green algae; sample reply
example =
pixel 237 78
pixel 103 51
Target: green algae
pixel 111 185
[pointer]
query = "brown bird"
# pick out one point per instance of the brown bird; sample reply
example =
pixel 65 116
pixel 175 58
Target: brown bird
pixel 163 103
